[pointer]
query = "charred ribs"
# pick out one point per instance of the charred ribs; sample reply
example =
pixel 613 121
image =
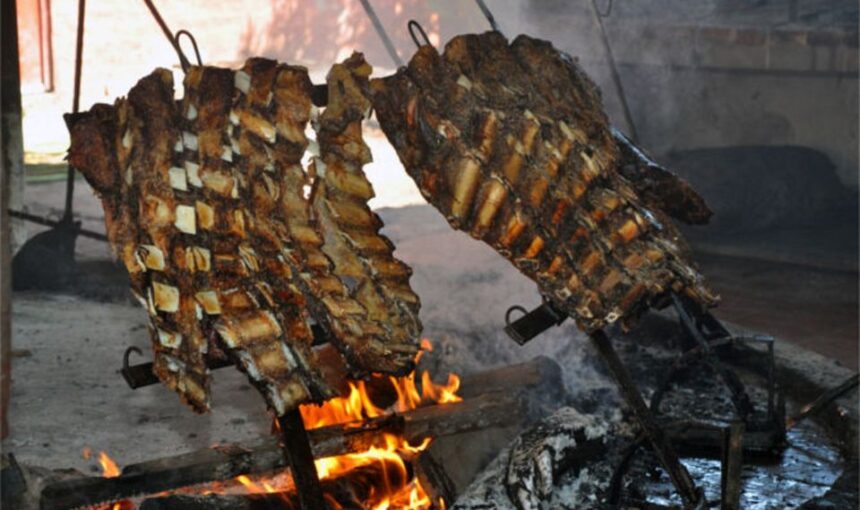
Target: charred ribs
pixel 510 142
pixel 206 206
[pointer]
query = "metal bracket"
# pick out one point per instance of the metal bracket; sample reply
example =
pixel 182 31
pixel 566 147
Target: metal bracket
pixel 532 323
pixel 138 376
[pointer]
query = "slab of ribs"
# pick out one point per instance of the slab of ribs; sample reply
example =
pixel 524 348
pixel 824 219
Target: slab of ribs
pixel 231 245
pixel 236 244
pixel 510 142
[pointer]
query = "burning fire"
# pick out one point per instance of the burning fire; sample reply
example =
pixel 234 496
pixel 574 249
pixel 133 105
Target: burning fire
pixel 398 489
pixel 383 469
pixel 110 468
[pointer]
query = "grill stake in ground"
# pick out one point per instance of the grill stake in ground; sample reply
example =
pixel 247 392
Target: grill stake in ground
pixel 511 144
pixel 206 205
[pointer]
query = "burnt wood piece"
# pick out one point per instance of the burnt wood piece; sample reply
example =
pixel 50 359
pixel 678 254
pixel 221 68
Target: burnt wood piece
pixel 732 466
pixel 509 141
pixel 220 463
pixel 664 451
pixel 222 502
pixel 296 446
pixel 560 445
pixel 434 479
pixel 341 492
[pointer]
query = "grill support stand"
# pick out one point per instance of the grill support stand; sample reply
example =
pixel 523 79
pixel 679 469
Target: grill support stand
pixel 297 452
pixel 665 453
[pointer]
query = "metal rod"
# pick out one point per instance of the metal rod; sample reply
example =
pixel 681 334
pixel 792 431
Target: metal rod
pixel 381 31
pixel 141 375
pixel 732 466
pixel 771 382
pixel 76 104
pixel 739 396
pixel 823 401
pixel 679 475
pixel 183 60
pixel 298 454
pixel 52 223
pixel 616 78
pixel 489 15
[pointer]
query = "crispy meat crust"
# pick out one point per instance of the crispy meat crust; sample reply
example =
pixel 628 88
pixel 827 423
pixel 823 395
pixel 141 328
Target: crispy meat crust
pixel 206 204
pixel 511 144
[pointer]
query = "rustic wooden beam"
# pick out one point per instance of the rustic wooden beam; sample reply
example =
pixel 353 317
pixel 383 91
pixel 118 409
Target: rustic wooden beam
pixel 296 447
pixel 11 161
pixel 220 463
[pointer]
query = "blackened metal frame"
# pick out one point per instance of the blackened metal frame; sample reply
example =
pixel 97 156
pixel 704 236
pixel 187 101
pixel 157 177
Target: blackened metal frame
pixel 708 336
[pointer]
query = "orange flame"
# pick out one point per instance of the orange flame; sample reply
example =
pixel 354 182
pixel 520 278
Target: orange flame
pixel 110 469
pixel 390 484
pixel 398 489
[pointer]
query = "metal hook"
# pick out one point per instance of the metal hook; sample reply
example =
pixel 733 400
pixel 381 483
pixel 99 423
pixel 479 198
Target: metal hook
pixel 412 25
pixel 167 33
pixel 125 365
pixel 182 57
pixel 515 308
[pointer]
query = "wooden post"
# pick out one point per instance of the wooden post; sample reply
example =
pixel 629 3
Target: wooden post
pixel 12 152
pixel 297 452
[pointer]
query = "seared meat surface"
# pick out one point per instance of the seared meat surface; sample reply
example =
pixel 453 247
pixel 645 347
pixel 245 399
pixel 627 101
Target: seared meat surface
pixel 510 142
pixel 207 205
pixel 377 315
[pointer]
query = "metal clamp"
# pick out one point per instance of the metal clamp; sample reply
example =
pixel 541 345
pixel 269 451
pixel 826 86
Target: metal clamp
pixel 533 323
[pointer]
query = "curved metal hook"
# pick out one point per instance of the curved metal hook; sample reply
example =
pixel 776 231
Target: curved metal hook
pixel 412 26
pixel 125 365
pixel 515 308
pixel 167 33
pixel 182 58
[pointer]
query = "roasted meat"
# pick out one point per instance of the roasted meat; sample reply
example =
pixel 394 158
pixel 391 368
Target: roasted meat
pixel 181 211
pixel 381 330
pixel 126 152
pixel 510 142
pixel 207 205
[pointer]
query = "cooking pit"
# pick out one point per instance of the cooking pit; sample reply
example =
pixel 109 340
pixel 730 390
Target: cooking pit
pixel 536 334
